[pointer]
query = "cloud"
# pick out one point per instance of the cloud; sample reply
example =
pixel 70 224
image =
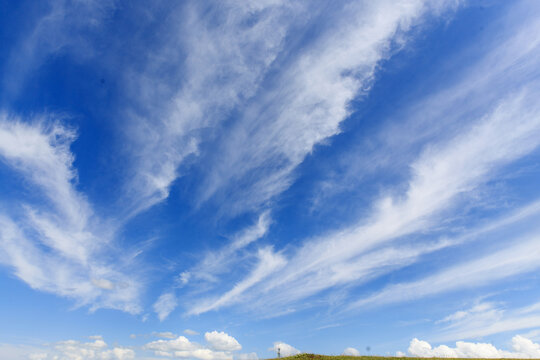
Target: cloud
pixel 57 30
pixel 442 175
pixel 306 103
pixel 73 349
pixel 21 352
pixel 521 257
pixel 248 356
pixel 217 262
pixel 179 344
pixel 220 66
pixel 222 341
pixel 37 356
pixel 221 347
pixel 482 309
pixel 269 262
pixel 103 284
pixel 164 305
pixel 350 351
pixel 284 349
pixel 523 348
pixel 487 318
pixel 448 171
pixel 231 66
pixel 190 332
pixel 53 241
pixel 166 335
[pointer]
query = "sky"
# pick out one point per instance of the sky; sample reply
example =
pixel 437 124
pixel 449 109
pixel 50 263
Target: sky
pixel 217 180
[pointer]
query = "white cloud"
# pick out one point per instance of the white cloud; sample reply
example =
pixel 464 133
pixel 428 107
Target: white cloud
pixel 284 349
pixel 248 356
pixel 307 103
pixel 118 353
pixel 57 30
pixel 222 341
pixel 523 348
pixel 485 319
pixel 269 262
pixel 190 332
pixel 75 350
pixel 21 352
pixel 217 262
pixel 521 257
pixel 103 284
pixel 222 347
pixel 225 65
pixel 164 305
pixel 184 278
pixel 350 351
pixel 449 170
pixel 166 335
pixel 280 122
pixel 442 174
pixel 179 344
pixel 55 243
pixel 481 309
pixel 38 356
pixel 204 354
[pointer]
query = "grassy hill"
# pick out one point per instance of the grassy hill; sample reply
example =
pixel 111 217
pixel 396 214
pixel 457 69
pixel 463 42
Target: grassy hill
pixel 344 357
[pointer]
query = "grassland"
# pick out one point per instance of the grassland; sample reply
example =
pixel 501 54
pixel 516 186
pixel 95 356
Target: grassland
pixel 344 357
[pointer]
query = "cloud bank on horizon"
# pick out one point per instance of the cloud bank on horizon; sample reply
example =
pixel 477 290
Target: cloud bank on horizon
pixel 365 170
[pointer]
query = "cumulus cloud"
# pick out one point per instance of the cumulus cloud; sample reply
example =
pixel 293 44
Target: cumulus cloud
pixel 37 356
pixel 179 344
pixel 284 349
pixel 164 305
pixel 522 348
pixel 222 341
pixel 220 347
pixel 350 351
pixel 248 356
pixel 73 349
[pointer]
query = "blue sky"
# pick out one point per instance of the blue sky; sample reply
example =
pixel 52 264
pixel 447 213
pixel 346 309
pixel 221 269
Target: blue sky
pixel 216 180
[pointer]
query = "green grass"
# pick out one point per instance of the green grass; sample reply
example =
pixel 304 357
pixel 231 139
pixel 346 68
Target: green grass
pixel 344 357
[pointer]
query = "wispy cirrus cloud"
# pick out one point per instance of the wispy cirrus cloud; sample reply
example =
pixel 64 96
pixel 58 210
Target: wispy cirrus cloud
pixel 54 242
pixel 441 174
pixel 61 28
pixel 216 66
pixel 247 63
pixel 507 262
pixel 489 136
pixel 488 318
pixel 164 305
pixel 214 263
pixel 268 263
pixel 307 101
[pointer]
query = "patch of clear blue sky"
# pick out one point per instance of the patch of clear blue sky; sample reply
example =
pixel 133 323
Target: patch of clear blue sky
pixel 86 89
